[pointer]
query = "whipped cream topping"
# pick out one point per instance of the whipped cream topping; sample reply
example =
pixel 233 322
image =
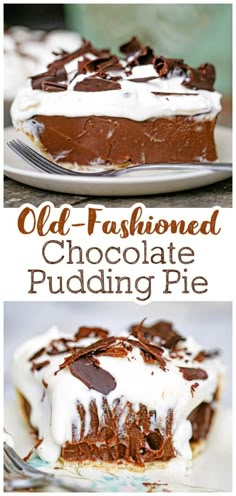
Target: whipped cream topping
pixel 134 100
pixel 53 408
pixel 27 52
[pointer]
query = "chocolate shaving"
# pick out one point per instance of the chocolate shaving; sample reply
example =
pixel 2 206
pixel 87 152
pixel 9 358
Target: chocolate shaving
pixel 32 451
pixel 45 384
pixel 68 57
pixel 39 366
pixel 82 66
pixel 202 355
pixel 131 46
pixel 52 76
pixel 59 52
pixel 117 347
pixel 59 346
pixel 100 74
pixel 103 63
pixel 95 360
pixel 163 330
pixel 145 57
pixel 102 344
pixel 85 332
pixel 96 84
pixel 53 87
pixel 36 81
pixel 115 351
pixel 92 376
pixel 142 79
pixel 190 374
pixel 150 352
pixel 193 387
pixel 37 354
pixel 212 353
pixel 162 93
pixel 202 78
pixel 164 66
pixel 87 47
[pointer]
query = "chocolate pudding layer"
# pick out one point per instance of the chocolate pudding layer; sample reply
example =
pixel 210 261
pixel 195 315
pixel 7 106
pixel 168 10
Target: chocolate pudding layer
pixel 120 434
pixel 120 141
pixel 136 442
pixel 113 438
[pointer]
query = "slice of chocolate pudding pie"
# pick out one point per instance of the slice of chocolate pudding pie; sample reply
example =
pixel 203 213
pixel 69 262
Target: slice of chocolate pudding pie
pixel 93 108
pixel 131 400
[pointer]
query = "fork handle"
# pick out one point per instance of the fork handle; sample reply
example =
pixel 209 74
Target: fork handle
pixel 226 167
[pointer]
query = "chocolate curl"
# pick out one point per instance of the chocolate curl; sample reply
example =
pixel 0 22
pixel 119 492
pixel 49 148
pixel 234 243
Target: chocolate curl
pixel 115 351
pixel 53 87
pixel 87 47
pixel 102 64
pixel 163 330
pixel 131 46
pixel 68 57
pixel 37 354
pixel 165 93
pixel 191 374
pixel 202 355
pixel 44 383
pixel 85 332
pixel 100 345
pixel 193 387
pixel 96 84
pixel 51 76
pixel 202 78
pixel 39 366
pixel 60 52
pixel 82 66
pixel 151 353
pixel 39 79
pixel 99 65
pixel 164 66
pixel 145 57
pixel 142 79
pixel 141 55
pixel 59 346
pixel 117 347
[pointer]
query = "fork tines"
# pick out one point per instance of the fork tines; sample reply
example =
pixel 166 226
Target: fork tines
pixel 42 163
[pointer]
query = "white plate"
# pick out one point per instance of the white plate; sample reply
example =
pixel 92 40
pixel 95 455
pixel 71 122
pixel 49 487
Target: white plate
pixel 210 471
pixel 135 184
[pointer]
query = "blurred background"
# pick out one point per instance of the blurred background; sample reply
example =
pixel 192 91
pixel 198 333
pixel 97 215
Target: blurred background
pixel 210 323
pixel 196 32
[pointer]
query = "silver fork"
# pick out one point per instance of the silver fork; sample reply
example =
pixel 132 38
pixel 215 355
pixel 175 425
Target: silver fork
pixel 19 475
pixel 39 162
